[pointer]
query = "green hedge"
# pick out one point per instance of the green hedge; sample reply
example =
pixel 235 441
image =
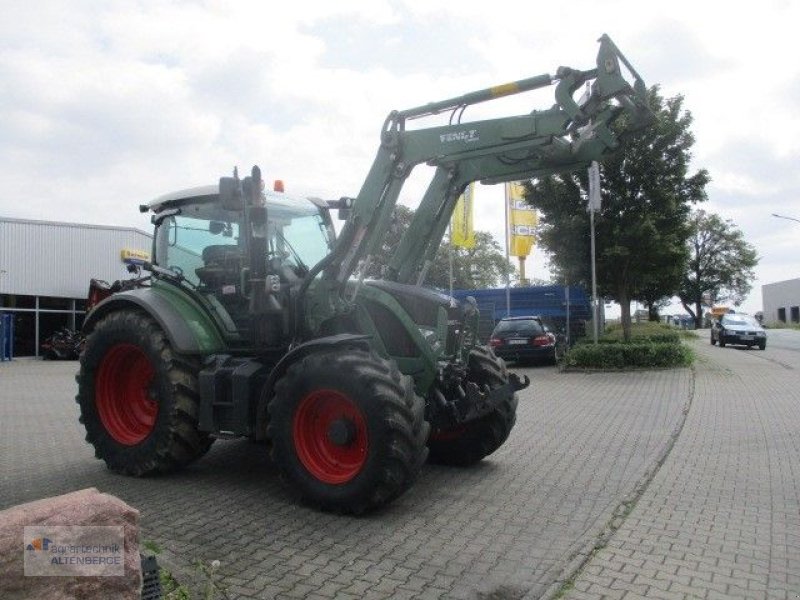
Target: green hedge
pixel 635 354
pixel 667 337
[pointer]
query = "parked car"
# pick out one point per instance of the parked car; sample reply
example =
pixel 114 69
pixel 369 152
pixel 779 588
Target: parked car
pixel 738 329
pixel 524 338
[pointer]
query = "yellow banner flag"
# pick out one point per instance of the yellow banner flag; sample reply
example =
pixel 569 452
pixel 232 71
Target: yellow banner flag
pixel 522 220
pixel 463 230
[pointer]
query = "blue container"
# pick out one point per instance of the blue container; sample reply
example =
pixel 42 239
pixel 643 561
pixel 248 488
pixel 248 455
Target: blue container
pixel 546 301
pixel 542 300
pixel 6 336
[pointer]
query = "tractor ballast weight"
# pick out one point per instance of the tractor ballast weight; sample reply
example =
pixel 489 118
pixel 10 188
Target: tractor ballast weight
pixel 257 321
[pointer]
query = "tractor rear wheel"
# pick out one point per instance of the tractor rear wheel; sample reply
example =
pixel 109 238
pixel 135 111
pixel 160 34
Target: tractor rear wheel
pixel 469 443
pixel 347 430
pixel 138 398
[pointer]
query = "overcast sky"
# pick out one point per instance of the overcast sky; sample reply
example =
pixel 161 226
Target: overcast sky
pixel 105 105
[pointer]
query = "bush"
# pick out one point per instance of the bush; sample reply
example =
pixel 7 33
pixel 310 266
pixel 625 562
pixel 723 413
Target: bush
pixel 647 329
pixel 781 325
pixel 635 354
pixel 667 337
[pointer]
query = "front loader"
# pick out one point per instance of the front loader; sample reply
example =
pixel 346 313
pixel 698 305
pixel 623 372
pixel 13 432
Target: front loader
pixel 257 321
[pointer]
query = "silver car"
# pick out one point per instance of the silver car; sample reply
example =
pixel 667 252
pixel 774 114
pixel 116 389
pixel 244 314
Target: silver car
pixel 738 329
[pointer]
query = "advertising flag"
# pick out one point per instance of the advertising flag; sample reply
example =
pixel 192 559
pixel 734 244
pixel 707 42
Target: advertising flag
pixel 522 221
pixel 463 230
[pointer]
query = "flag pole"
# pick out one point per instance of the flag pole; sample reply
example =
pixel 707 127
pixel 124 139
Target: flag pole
pixel 594 204
pixel 508 260
pixel 451 257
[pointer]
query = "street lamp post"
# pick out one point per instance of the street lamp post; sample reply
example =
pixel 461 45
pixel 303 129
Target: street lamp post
pixel 785 217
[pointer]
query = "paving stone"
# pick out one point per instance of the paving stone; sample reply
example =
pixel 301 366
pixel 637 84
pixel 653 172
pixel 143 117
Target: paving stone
pixel 721 514
pixel 512 523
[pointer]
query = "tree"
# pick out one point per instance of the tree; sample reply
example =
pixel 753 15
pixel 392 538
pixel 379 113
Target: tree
pixel 721 263
pixel 642 228
pixel 482 266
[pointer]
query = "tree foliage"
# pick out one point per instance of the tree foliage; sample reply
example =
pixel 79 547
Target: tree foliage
pixel 721 263
pixel 483 266
pixel 642 228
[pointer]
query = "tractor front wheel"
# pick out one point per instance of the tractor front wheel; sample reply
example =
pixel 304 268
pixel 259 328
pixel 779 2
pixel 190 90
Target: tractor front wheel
pixel 138 398
pixel 347 430
pixel 470 442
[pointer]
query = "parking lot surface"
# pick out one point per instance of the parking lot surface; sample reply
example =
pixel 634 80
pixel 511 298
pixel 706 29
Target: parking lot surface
pixel 721 518
pixel 504 529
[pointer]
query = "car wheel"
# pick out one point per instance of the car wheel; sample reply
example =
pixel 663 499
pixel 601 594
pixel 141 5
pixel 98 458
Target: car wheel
pixel 762 346
pixel 713 341
pixel 721 342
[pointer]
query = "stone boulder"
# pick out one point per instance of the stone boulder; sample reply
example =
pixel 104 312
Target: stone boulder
pixel 84 507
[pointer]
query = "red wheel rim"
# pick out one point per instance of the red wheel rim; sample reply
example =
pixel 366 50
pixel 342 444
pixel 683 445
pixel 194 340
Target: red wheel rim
pixel 329 462
pixel 122 394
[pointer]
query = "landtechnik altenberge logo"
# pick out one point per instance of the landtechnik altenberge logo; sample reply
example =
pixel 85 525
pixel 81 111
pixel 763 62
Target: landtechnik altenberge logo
pixel 74 550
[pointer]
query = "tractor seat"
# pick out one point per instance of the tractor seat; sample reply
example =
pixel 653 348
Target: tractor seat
pixel 222 266
pixel 221 254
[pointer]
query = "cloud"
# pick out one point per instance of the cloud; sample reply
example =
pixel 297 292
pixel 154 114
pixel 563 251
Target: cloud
pixel 676 54
pixel 404 46
pixel 104 106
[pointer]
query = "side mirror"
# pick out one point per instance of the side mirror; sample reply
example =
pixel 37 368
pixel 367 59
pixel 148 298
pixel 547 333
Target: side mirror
pixel 345 206
pixel 230 193
pixel 216 227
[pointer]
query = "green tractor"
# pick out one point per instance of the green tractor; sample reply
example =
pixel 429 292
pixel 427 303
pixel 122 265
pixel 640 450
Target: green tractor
pixel 257 321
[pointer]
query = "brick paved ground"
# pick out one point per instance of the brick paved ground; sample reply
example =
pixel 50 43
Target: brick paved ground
pixel 504 529
pixel 721 519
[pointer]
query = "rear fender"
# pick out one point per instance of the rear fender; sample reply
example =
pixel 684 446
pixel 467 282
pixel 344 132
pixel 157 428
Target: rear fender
pixel 189 329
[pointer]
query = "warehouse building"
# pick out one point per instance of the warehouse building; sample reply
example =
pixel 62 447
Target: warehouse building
pixel 781 301
pixel 45 269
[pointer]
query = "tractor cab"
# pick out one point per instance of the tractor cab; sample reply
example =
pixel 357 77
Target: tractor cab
pixel 208 246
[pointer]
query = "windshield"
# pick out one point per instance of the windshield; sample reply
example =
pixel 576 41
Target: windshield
pixel 203 235
pixel 740 320
pixel 519 327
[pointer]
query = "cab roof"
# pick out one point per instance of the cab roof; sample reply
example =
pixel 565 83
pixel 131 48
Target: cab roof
pixel 209 193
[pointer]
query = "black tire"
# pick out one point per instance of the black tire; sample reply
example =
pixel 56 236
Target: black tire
pixel 713 341
pixel 762 345
pixel 383 453
pixel 126 350
pixel 721 342
pixel 472 442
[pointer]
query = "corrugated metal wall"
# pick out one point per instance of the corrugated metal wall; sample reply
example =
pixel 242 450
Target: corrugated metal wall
pixel 781 294
pixel 40 258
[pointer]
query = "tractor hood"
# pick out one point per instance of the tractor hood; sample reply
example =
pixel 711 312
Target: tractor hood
pixel 422 304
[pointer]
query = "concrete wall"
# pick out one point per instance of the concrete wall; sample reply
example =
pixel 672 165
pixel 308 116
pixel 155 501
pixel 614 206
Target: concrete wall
pixel 781 294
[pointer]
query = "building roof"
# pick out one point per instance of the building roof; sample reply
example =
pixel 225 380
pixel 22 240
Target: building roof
pixel 70 224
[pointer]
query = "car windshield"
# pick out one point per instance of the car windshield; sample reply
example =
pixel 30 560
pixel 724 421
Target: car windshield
pixel 740 320
pixel 519 327
pixel 185 241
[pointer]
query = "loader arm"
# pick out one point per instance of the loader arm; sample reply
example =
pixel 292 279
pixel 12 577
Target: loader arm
pixel 435 209
pixel 564 137
pixel 568 134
